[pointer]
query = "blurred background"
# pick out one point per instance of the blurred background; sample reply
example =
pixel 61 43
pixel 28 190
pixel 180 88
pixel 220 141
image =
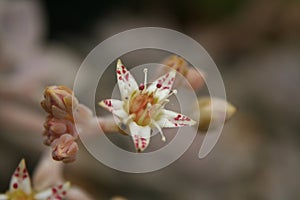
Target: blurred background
pixel 256 46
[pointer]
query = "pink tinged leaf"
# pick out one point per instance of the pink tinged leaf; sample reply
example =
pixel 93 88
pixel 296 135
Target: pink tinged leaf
pixel 58 128
pixel 170 119
pixel 41 179
pixel 57 99
pixel 140 135
pixel 163 85
pixel 126 81
pixel 55 193
pixel 64 148
pixel 115 106
pixel 20 179
pixel 58 113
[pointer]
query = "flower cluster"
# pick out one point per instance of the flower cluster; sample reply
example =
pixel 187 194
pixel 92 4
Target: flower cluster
pixel 60 132
pixel 141 108
pixel 21 189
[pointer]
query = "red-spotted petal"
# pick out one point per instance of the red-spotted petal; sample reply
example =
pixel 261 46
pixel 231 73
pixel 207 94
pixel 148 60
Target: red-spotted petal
pixel 126 82
pixel 55 193
pixel 163 85
pixel 115 106
pixel 140 135
pixel 170 119
pixel 20 180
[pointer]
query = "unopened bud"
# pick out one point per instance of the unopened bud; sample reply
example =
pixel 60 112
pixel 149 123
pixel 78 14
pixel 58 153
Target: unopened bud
pixel 64 148
pixel 177 63
pixel 118 198
pixel 193 76
pixel 59 101
pixel 54 128
pixel 212 111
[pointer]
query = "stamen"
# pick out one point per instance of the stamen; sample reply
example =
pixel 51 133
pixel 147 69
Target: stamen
pixel 163 138
pixel 161 104
pixel 165 101
pixel 144 114
pixel 131 116
pixel 171 93
pixel 145 80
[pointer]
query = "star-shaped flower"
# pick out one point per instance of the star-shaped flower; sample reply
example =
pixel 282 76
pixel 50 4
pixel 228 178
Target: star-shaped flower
pixel 142 107
pixel 20 188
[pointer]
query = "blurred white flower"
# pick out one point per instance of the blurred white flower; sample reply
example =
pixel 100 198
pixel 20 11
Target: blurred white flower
pixel 20 188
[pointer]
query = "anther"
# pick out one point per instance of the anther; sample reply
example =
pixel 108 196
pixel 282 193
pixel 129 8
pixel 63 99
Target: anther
pixel 149 105
pixel 141 87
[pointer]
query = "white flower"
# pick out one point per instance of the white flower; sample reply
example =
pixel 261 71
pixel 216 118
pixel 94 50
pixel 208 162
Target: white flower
pixel 20 188
pixel 142 107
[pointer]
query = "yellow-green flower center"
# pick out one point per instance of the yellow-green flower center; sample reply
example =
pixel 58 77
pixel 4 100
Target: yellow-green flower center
pixel 20 195
pixel 140 105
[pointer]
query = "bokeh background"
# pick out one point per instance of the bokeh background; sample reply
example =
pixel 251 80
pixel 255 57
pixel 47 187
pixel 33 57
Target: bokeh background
pixel 255 44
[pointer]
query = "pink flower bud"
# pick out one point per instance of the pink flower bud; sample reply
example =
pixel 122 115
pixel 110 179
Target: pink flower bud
pixel 177 63
pixel 64 148
pixel 54 128
pixel 193 76
pixel 59 101
pixel 212 110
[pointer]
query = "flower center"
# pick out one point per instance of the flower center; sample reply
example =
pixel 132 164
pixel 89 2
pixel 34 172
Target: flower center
pixel 20 195
pixel 140 106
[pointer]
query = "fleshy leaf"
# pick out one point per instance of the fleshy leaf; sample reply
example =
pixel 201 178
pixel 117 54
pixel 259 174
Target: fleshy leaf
pixel 126 81
pixel 140 135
